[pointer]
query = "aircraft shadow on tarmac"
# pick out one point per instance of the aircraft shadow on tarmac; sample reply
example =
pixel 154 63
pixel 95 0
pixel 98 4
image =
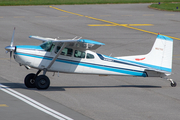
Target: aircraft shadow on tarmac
pixel 56 88
pixel 62 88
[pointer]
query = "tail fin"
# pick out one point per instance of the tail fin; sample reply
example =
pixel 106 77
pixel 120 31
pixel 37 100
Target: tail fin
pixel 161 53
pixel 160 56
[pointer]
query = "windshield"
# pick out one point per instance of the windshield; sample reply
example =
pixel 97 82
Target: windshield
pixel 47 46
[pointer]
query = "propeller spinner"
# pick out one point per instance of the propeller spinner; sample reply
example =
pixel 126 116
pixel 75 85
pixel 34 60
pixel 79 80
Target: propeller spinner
pixel 11 48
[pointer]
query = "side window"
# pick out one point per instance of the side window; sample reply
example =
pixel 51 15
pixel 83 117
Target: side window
pixel 65 51
pixel 89 56
pixel 79 54
pixel 57 49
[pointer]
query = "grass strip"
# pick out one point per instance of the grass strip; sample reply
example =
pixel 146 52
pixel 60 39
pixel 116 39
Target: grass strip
pixel 166 6
pixel 70 2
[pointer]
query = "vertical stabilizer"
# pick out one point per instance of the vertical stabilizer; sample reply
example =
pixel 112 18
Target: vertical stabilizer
pixel 161 53
pixel 160 56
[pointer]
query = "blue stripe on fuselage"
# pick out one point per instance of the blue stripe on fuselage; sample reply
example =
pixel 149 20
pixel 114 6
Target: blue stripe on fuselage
pixel 129 62
pixel 28 47
pixel 97 66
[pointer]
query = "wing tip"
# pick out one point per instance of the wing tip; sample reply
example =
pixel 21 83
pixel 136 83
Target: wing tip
pixel 91 42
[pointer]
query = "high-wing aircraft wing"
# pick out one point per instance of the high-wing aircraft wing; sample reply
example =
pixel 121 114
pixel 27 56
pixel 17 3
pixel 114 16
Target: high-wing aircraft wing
pixel 82 44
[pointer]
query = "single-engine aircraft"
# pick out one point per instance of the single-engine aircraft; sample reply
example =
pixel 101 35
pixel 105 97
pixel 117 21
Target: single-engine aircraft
pixel 75 56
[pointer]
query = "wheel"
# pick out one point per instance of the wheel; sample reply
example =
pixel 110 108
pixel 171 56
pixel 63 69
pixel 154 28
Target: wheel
pixel 173 84
pixel 42 82
pixel 29 81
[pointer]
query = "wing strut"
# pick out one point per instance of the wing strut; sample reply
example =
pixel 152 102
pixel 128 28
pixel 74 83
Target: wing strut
pixel 54 59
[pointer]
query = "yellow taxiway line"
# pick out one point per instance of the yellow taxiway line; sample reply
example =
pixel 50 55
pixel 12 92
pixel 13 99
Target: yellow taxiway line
pixel 120 24
pixel 113 23
pixel 3 105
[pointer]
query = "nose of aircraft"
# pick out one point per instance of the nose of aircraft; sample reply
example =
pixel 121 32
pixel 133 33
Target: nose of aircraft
pixel 9 48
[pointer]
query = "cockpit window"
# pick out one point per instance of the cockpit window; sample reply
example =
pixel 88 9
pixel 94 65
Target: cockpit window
pixel 89 56
pixel 79 54
pixel 47 46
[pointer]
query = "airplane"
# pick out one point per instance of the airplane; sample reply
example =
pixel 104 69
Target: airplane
pixel 76 56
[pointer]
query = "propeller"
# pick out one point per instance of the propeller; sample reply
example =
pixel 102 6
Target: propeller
pixel 11 48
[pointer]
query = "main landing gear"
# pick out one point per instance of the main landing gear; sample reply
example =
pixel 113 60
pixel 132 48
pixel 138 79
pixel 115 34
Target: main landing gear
pixel 34 81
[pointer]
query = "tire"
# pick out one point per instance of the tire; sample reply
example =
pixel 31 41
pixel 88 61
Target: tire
pixel 173 85
pixel 29 82
pixel 42 82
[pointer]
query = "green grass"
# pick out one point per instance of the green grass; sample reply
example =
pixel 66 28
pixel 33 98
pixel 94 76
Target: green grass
pixel 60 2
pixel 166 6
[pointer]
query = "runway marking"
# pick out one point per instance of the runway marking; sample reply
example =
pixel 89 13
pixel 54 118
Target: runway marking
pixel 117 24
pixel 19 16
pixel 3 105
pixel 176 58
pixel 101 25
pixel 34 103
pixel 177 55
pixel 120 24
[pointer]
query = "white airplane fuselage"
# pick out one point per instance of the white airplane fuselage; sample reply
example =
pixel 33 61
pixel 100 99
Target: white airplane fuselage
pixel 36 57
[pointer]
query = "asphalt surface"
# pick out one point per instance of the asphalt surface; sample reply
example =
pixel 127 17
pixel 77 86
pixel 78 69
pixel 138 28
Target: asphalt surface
pixel 85 97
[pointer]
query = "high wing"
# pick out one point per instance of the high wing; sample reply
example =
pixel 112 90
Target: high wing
pixel 82 44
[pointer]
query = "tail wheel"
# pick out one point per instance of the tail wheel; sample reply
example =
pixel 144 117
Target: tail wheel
pixel 29 81
pixel 42 82
pixel 173 84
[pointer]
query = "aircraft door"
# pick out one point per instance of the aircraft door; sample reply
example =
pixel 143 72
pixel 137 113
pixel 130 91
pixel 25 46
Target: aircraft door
pixel 90 63
pixel 63 63
pixel 44 57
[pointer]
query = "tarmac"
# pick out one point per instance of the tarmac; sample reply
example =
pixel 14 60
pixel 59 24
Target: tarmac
pixel 126 29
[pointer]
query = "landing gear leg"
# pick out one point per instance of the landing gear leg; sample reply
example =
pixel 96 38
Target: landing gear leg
pixel 173 84
pixel 37 74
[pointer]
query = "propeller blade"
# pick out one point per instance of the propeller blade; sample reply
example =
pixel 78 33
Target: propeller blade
pixel 10 55
pixel 12 39
pixel 11 48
